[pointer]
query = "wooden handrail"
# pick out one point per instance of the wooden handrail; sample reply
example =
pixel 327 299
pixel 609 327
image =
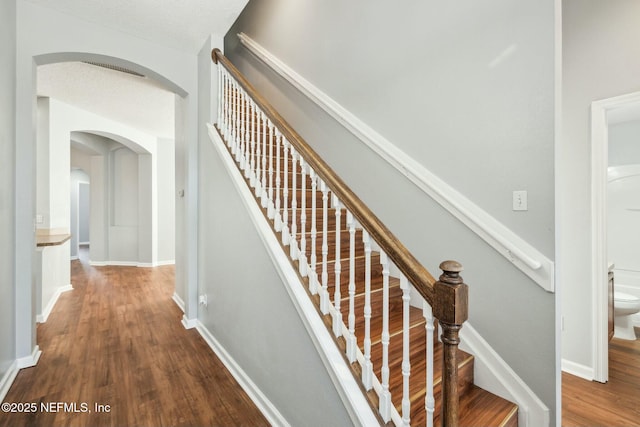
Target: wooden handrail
pixel 418 275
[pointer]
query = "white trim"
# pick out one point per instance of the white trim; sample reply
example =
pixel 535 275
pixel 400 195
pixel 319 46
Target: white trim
pixel 189 323
pixel 131 263
pixel 347 387
pixel 599 264
pixel 265 406
pixel 74 257
pixel 42 318
pixel 179 302
pixel 31 360
pixel 167 262
pixel 83 243
pixel 495 375
pixel 7 380
pixel 524 256
pixel 573 368
pixel 122 263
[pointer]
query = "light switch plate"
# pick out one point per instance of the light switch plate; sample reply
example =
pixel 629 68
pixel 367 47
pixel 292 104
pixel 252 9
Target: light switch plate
pixel 520 200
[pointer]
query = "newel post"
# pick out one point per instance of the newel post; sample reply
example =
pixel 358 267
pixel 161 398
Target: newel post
pixel 451 309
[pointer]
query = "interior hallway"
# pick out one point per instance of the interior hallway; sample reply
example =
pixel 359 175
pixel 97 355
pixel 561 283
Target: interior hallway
pixel 614 404
pixel 117 340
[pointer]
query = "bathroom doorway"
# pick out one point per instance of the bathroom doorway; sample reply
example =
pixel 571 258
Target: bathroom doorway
pixel 602 113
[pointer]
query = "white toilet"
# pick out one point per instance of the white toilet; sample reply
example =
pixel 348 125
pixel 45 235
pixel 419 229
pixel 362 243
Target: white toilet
pixel 624 306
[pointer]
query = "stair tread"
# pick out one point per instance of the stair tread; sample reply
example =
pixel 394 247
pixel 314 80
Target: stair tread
pixel 478 407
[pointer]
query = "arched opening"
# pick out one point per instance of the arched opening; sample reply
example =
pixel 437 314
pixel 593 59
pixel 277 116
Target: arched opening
pixel 26 160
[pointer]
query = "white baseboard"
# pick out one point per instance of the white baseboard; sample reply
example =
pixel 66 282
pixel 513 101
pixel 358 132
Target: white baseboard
pixel 42 318
pixel 123 263
pixel 74 257
pixel 29 361
pixel 131 263
pixel 578 370
pixel 7 380
pixel 493 374
pixel 265 406
pixel 179 302
pixel 189 323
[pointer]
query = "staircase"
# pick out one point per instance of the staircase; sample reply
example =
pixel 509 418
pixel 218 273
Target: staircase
pixel 345 272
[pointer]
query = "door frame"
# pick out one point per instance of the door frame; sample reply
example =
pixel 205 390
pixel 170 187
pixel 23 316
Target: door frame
pixel 599 258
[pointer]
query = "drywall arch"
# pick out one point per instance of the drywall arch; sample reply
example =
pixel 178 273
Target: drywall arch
pixel 51 58
pixel 47 35
pixel 129 143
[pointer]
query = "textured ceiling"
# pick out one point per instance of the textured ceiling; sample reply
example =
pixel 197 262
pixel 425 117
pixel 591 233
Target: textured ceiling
pixel 135 101
pixel 183 24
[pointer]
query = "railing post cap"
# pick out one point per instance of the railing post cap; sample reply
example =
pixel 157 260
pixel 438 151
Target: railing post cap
pixel 451 266
pixel 214 55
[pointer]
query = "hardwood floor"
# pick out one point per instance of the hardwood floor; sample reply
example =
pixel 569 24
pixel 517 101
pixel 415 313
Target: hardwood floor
pixel 614 404
pixel 116 340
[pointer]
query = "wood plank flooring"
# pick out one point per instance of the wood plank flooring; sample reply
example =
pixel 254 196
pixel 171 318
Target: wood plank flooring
pixel 614 404
pixel 117 340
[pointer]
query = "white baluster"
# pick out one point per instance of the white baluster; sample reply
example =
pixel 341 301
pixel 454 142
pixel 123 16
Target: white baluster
pixel 429 400
pixel 278 217
pixel 285 211
pixel 227 101
pixel 258 159
pixel 245 135
pixel 220 91
pixel 406 363
pixel 385 396
pixel 367 370
pixel 270 206
pixel 233 119
pixel 294 206
pixel 241 135
pixel 351 318
pixel 263 200
pixel 302 255
pixel 252 138
pixel 324 296
pixel 313 276
pixel 337 317
pixel 236 125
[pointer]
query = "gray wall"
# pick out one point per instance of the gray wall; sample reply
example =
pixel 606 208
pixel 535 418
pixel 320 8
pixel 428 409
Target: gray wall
pixel 84 195
pixel 7 228
pixel 465 89
pixel 166 200
pixel 79 214
pixel 601 59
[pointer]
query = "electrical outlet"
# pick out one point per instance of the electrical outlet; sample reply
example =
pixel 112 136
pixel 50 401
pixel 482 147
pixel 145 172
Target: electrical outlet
pixel 202 300
pixel 520 200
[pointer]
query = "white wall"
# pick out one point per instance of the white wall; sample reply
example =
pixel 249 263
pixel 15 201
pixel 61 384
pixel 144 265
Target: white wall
pixel 623 226
pixel 624 143
pixel 43 36
pixel 465 89
pixel 132 204
pixel 7 181
pixel 600 60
